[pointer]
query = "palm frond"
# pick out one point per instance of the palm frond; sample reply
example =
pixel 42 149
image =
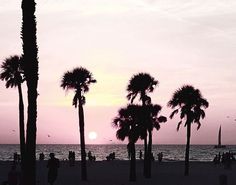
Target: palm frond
pixel 115 122
pixel 75 100
pixel 178 125
pixel 133 97
pixel 157 126
pixel 129 95
pixel 204 103
pixel 67 81
pixel 202 113
pixel 173 113
pixel 121 134
pixel 155 109
pixel 198 125
pixel 162 119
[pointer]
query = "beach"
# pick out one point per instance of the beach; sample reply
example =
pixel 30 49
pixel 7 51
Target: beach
pixel 117 173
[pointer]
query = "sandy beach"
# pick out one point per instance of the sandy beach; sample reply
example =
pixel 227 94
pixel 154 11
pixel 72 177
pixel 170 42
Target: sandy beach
pixel 117 173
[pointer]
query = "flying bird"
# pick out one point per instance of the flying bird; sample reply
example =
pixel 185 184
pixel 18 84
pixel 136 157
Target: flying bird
pixel 49 135
pixel 13 130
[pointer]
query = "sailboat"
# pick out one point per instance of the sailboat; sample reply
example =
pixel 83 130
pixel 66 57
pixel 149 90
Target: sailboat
pixel 219 140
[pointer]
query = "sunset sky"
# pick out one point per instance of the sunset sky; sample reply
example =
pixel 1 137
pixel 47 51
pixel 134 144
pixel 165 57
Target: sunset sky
pixel 176 41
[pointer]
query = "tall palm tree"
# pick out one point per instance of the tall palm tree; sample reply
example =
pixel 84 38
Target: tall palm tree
pixel 189 102
pixel 13 74
pixel 153 120
pixel 79 80
pixel 140 85
pixel 128 124
pixel 30 65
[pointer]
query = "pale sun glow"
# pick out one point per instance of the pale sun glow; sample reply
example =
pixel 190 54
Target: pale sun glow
pixel 92 135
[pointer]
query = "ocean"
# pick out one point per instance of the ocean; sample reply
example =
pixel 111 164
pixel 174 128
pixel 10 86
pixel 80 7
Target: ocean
pixel 170 152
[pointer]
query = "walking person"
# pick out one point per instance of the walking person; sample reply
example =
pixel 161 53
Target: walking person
pixel 53 165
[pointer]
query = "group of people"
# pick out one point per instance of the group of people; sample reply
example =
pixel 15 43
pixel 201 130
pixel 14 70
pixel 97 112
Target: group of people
pixel 159 156
pixel 91 157
pixel 111 156
pixel 14 175
pixel 225 159
pixel 53 164
pixel 71 158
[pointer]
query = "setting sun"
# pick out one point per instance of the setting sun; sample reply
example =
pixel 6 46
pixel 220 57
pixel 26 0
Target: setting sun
pixel 92 135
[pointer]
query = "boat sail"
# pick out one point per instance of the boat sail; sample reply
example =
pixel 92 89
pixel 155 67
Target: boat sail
pixel 219 140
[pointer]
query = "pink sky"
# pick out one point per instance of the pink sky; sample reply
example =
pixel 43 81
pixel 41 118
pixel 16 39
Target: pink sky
pixel 176 41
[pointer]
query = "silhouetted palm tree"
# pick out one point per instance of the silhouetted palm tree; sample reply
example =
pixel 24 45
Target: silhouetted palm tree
pixel 30 65
pixel 79 80
pixel 13 74
pixel 189 103
pixel 151 113
pixel 140 85
pixel 128 124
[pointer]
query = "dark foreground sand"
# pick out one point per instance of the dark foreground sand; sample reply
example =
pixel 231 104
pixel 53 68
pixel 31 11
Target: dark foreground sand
pixel 117 173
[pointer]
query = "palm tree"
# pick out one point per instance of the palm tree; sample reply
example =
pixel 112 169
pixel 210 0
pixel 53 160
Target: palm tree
pixel 141 84
pixel 151 113
pixel 79 80
pixel 189 103
pixel 30 65
pixel 13 74
pixel 128 124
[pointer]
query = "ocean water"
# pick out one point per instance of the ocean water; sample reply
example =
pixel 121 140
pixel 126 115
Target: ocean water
pixel 170 152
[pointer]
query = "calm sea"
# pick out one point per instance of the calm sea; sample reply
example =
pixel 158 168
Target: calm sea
pixel 170 152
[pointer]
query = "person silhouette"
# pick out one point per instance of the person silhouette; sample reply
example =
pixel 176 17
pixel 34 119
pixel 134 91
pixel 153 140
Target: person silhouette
pixel 89 155
pixel 160 156
pixel 41 156
pixel 140 154
pixel 53 165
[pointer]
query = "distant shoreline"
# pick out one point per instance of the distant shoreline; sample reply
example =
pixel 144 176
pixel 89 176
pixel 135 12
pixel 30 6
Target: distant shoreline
pixel 170 152
pixel 135 144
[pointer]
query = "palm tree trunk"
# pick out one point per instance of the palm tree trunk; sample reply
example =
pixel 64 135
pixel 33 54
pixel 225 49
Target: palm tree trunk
pixel 149 155
pixel 21 126
pixel 30 158
pixel 145 157
pixel 186 171
pixel 30 64
pixel 82 141
pixel 145 144
pixel 132 176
